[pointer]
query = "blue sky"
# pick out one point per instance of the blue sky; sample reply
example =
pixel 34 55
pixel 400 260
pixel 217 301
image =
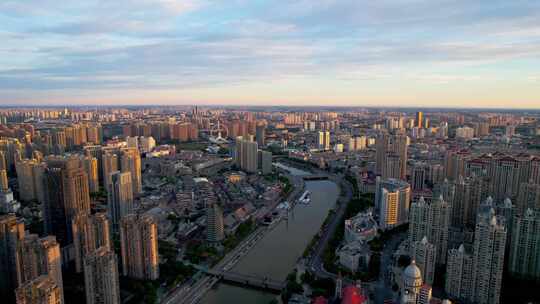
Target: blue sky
pixel 318 52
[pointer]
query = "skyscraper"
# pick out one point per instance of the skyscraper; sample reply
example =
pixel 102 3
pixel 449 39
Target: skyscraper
pixel 528 197
pixel 392 199
pixel 459 274
pixel 110 165
pixel 246 155
pixel 419 121
pixel 101 280
pixel 430 220
pixel 119 197
pixel 214 223
pixel 418 176
pixel 488 259
pixel 524 258
pixel 90 232
pixel 323 140
pixel 424 253
pixel 394 145
pixel 40 256
pixel 90 165
pixel 11 233
pixel 41 290
pixel 131 162
pixel 265 162
pixel 260 134
pixel 138 240
pixel 66 195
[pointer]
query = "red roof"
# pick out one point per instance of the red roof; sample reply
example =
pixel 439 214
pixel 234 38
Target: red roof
pixel 352 295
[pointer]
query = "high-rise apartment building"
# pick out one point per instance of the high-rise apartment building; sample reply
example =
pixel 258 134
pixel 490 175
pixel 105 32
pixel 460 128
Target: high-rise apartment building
pixel 265 162
pixel 459 274
pixel 40 256
pixel 110 165
pixel 260 134
pixel 488 258
pixel 66 195
pixel 90 165
pixel 392 145
pixel 392 200
pixel 430 220
pixel 323 140
pixel 424 253
pixel 131 162
pixel 419 121
pixel 138 239
pixel 101 280
pixel 524 260
pixel 11 233
pixel 41 290
pixel 120 197
pixel 528 197
pixel 469 193
pixel 418 176
pixel 214 224
pixel 90 232
pixel 246 155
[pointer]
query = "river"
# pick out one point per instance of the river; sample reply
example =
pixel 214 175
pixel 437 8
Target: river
pixel 276 254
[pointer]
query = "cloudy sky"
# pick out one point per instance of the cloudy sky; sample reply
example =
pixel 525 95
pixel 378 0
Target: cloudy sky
pixel 299 52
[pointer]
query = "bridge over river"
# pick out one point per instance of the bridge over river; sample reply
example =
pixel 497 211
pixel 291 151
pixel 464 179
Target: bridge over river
pixel 253 281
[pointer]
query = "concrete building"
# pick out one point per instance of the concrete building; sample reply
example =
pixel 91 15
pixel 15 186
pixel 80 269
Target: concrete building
pixel 66 195
pixel 411 284
pixel 528 197
pixel 90 232
pixel 459 274
pixel 392 199
pixel 323 140
pixel 138 240
pixel 265 162
pixel 362 227
pixel 524 258
pixel 110 165
pixel 395 145
pixel 214 224
pixel 120 197
pixel 424 253
pixel 101 280
pixel 40 256
pixel 11 233
pixel 41 290
pixel 90 165
pixel 246 155
pixel 431 221
pixel 131 162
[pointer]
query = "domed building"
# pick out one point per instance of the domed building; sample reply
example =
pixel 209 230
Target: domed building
pixel 411 285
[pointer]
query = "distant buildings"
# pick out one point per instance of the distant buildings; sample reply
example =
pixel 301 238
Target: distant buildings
pixel 139 246
pixel 323 140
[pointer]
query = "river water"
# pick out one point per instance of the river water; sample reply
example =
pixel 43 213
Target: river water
pixel 277 253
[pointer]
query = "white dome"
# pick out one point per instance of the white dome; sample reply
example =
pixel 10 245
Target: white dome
pixel 412 274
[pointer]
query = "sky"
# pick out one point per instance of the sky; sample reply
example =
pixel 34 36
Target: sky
pixel 251 52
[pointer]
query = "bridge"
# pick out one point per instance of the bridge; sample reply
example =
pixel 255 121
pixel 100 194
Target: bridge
pixel 249 280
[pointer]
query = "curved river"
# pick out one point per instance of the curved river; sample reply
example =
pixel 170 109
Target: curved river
pixel 276 254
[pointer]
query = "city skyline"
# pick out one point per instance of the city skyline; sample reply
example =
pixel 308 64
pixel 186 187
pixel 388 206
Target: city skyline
pixel 344 53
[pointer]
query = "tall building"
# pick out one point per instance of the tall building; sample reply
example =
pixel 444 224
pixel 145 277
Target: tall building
pixel 357 143
pixel 120 197
pixel 66 195
pixel 246 155
pixel 430 220
pixel 488 259
pixel 90 232
pixel 40 256
pixel 528 197
pixel 110 165
pixel 101 280
pixel 27 180
pixel 424 253
pixel 90 165
pixel 392 167
pixel 419 121
pixel 469 192
pixel 41 290
pixel 138 240
pixel 393 145
pixel 392 199
pixel 524 258
pixel 214 224
pixel 265 162
pixel 11 233
pixel 323 140
pixel 260 134
pixel 459 274
pixel 418 176
pixel 131 162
